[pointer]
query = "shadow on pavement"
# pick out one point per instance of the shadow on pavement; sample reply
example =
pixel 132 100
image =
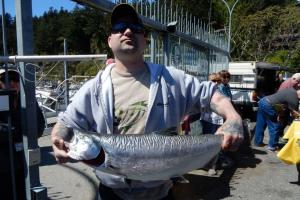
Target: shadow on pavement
pixel 58 193
pixel 47 157
pixel 217 187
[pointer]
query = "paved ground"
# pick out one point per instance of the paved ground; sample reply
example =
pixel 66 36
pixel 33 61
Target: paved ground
pixel 258 175
pixel 74 181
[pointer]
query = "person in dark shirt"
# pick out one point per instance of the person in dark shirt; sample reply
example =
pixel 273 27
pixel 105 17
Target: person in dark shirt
pixel 285 117
pixel 6 184
pixel 267 115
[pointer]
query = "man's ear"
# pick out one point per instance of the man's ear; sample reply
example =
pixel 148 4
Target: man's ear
pixel 2 85
pixel 146 38
pixel 108 41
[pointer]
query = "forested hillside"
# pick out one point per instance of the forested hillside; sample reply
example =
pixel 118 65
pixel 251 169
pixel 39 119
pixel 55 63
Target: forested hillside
pixel 262 30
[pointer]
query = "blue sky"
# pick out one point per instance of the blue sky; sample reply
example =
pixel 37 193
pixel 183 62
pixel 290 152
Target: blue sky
pixel 40 6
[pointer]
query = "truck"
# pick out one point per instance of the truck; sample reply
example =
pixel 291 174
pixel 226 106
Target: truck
pixel 250 81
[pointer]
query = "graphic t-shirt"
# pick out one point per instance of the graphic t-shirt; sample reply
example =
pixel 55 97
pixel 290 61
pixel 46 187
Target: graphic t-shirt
pixel 131 93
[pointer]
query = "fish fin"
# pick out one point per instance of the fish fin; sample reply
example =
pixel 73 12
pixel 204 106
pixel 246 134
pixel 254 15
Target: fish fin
pixel 167 132
pixel 82 132
pixel 110 170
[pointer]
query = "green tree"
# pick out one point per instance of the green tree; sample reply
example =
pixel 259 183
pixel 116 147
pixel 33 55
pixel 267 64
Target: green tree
pixel 264 30
pixel 268 35
pixel 10 27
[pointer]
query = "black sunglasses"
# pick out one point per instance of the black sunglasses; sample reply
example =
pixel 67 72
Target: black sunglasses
pixel 121 27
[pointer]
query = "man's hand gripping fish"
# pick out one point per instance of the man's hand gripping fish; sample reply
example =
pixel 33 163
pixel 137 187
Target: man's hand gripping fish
pixel 149 157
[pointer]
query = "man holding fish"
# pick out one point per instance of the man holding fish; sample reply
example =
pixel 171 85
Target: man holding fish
pixel 130 97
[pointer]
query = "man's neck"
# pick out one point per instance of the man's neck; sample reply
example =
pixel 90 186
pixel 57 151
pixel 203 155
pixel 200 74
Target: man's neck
pixel 130 66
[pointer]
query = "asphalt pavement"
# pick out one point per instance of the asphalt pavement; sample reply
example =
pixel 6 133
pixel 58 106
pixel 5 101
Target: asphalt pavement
pixel 258 174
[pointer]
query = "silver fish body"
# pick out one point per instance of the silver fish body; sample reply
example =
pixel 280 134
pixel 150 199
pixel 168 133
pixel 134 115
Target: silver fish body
pixel 150 157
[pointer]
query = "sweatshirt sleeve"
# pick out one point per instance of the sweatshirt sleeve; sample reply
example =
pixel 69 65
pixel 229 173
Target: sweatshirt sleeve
pixel 200 94
pixel 197 94
pixel 79 113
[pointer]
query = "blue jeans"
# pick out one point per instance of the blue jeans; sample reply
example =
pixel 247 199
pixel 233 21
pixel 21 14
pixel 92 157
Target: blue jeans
pixel 266 116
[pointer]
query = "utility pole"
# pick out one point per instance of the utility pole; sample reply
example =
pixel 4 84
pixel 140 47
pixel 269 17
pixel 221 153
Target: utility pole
pixel 230 10
pixel 209 15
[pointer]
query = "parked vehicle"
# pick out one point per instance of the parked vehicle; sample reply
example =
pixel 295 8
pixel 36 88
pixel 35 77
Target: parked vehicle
pixel 250 81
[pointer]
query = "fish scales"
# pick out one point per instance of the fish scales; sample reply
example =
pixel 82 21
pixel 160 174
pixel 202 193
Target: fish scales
pixel 157 157
pixel 153 156
pixel 148 145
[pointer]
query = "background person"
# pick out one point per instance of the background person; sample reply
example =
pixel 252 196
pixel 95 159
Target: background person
pixel 284 115
pixel 6 191
pixel 292 82
pixel 135 97
pixel 279 80
pixel 109 61
pixel 210 122
pixel 225 159
pixel 224 86
pixel 267 115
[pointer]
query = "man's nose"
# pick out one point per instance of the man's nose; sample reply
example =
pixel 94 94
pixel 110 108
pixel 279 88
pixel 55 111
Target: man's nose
pixel 128 31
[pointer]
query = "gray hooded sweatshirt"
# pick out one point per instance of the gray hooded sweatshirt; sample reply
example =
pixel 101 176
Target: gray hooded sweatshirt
pixel 173 94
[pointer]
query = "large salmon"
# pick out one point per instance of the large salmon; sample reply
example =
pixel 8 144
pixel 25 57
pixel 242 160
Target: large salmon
pixel 154 156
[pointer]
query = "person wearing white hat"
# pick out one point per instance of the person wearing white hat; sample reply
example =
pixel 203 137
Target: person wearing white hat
pixel 292 82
